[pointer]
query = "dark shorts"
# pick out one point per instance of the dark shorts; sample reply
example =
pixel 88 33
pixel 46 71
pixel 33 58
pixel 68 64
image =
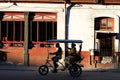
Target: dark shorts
pixel 55 59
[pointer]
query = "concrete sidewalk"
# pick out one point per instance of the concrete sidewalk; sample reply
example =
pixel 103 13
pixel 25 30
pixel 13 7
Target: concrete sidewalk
pixel 20 67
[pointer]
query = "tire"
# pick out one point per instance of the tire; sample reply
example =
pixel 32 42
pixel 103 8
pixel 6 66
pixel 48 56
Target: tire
pixel 75 70
pixel 43 70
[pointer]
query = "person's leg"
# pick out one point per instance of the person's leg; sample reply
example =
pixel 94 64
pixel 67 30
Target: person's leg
pixel 55 60
pixel 55 66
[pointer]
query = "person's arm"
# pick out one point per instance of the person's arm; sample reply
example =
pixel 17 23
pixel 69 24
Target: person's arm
pixel 68 48
pixel 52 53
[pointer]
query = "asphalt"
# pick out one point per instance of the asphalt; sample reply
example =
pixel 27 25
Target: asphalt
pixel 19 67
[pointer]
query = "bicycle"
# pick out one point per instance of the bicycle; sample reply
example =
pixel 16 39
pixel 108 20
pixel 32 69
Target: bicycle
pixel 75 70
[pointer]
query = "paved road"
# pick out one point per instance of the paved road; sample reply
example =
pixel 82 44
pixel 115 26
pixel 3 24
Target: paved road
pixel 31 73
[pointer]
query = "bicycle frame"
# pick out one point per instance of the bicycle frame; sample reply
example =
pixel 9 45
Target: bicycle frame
pixel 48 60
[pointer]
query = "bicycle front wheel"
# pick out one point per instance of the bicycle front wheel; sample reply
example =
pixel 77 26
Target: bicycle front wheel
pixel 75 70
pixel 43 70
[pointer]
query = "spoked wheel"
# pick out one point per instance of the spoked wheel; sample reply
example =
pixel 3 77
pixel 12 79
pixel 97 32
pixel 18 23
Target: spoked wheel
pixel 75 70
pixel 43 70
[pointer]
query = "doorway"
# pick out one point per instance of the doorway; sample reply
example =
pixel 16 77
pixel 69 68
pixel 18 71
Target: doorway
pixel 105 38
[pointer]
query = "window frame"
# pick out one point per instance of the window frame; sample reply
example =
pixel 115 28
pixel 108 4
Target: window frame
pixel 13 19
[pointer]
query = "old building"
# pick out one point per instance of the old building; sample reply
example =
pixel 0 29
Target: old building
pixel 96 22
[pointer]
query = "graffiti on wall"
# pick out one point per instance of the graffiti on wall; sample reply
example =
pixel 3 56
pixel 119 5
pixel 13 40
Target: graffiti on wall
pixel 106 60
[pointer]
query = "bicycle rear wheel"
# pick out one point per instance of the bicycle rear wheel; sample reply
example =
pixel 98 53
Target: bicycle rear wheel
pixel 75 70
pixel 43 70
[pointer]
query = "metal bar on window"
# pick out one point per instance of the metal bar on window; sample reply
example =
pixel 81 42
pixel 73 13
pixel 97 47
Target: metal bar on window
pixel 53 30
pixel 42 25
pixel 46 31
pixel 30 30
pixel 37 30
pixel 7 29
pixel 14 30
pixel 0 31
pixel 21 31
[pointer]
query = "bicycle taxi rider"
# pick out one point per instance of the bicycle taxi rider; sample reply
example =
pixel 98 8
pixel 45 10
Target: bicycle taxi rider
pixel 58 55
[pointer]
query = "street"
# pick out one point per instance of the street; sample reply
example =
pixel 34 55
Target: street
pixel 32 74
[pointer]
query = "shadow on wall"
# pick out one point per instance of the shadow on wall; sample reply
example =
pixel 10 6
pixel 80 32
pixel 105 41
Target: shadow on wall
pixel 3 56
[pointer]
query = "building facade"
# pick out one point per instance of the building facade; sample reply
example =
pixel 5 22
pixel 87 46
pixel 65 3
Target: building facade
pixel 95 22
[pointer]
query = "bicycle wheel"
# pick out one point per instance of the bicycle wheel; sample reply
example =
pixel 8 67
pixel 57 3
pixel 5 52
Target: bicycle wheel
pixel 43 70
pixel 75 70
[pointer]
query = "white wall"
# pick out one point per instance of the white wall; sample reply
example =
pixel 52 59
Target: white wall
pixel 81 19
pixel 81 25
pixel 31 7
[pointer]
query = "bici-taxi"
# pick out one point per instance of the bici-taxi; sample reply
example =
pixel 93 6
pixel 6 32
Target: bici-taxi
pixel 74 68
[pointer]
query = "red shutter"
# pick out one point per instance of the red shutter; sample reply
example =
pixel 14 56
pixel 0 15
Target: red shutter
pixel 13 16
pixel 45 17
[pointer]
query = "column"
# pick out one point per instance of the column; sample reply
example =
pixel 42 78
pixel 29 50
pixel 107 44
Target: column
pixel 26 51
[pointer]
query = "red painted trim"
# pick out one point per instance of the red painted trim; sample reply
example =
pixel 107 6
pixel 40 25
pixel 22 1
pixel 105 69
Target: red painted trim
pixel 20 16
pixel 45 17
pixel 13 16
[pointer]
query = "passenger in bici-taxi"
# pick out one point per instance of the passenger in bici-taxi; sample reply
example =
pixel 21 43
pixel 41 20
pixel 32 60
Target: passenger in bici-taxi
pixel 73 56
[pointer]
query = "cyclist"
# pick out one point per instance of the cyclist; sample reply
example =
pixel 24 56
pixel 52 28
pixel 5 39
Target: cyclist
pixel 58 55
